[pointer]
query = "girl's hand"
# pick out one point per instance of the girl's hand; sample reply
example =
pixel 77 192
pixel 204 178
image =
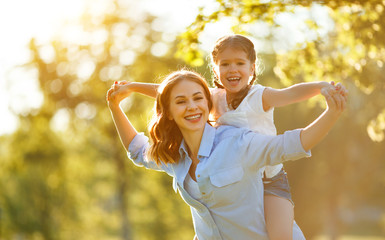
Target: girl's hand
pixel 335 100
pixel 340 88
pixel 118 92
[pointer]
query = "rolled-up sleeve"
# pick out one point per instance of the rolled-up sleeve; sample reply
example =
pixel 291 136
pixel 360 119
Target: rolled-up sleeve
pixel 137 148
pixel 137 153
pixel 292 145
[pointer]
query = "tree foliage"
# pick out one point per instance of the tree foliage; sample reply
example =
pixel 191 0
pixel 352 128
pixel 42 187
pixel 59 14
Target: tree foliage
pixel 352 53
pixel 65 175
pixel 345 171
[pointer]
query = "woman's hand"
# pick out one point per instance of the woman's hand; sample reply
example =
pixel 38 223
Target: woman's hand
pixel 336 97
pixel 318 129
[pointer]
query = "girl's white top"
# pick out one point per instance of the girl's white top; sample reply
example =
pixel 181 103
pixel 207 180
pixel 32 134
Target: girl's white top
pixel 249 114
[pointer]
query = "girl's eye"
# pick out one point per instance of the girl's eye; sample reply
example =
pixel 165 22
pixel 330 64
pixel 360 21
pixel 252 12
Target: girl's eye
pixel 180 102
pixel 224 64
pixel 241 63
pixel 198 98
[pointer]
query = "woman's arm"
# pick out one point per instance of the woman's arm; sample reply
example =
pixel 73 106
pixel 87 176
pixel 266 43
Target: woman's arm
pixel 124 127
pixel 281 97
pixel 318 129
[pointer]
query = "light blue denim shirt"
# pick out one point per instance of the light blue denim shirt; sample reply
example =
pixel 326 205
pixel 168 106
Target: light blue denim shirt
pixel 228 177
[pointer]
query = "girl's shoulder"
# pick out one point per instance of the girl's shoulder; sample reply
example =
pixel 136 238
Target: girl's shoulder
pixel 256 87
pixel 216 91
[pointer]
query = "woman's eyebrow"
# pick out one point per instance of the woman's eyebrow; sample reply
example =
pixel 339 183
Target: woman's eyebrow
pixel 183 96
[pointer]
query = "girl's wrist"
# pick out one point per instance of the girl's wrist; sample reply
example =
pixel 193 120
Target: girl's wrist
pixel 323 84
pixel 113 106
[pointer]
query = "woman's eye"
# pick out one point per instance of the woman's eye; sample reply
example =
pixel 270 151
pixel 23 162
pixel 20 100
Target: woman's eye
pixel 180 102
pixel 198 98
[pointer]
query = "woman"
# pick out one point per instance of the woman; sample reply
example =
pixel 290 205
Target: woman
pixel 214 169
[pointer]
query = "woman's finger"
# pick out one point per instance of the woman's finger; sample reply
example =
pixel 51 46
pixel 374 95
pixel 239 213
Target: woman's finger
pixel 329 99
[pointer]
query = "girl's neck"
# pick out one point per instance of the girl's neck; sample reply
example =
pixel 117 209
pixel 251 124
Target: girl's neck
pixel 234 99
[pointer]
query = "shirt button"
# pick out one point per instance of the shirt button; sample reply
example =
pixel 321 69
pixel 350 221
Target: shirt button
pixel 203 193
pixel 199 175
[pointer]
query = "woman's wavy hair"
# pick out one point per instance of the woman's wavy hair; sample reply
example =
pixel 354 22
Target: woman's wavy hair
pixel 242 43
pixel 164 133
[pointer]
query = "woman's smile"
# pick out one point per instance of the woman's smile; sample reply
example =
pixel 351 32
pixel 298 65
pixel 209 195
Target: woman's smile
pixel 189 106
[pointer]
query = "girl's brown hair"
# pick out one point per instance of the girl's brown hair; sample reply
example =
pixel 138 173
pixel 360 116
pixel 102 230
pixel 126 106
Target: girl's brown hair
pixel 238 42
pixel 164 133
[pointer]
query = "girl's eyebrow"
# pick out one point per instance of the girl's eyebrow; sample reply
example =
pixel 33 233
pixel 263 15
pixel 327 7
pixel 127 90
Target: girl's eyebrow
pixel 237 59
pixel 182 96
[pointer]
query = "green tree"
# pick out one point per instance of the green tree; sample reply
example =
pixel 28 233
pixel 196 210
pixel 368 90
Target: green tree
pixel 346 169
pixel 66 175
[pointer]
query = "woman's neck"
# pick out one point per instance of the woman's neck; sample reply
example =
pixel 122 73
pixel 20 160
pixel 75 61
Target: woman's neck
pixel 193 141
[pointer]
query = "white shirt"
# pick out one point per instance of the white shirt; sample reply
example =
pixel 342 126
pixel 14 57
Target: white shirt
pixel 230 158
pixel 249 114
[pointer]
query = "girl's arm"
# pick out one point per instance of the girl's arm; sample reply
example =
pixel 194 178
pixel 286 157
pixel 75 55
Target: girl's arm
pixel 127 132
pixel 296 93
pixel 148 89
pixel 317 130
pixel 124 127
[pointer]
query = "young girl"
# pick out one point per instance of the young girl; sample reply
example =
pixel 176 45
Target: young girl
pixel 215 170
pixel 238 102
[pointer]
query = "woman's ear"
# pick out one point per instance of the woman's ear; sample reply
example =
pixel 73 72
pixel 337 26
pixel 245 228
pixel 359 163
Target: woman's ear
pixel 252 70
pixel 215 73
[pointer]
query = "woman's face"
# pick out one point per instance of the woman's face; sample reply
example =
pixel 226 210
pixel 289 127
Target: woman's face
pixel 233 69
pixel 188 106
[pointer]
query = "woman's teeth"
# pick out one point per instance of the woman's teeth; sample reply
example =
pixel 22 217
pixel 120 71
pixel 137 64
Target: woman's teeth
pixel 234 79
pixel 193 117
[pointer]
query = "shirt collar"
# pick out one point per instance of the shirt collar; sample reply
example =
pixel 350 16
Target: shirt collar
pixel 206 143
pixel 205 147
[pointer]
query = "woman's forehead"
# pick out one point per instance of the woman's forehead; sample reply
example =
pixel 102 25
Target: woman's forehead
pixel 186 87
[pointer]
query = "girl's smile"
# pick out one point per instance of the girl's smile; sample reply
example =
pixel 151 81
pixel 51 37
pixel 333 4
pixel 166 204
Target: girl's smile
pixel 234 69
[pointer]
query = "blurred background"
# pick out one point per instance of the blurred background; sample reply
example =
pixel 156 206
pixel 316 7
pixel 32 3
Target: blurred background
pixel 63 171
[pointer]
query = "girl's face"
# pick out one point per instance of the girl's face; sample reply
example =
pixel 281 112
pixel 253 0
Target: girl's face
pixel 188 106
pixel 233 69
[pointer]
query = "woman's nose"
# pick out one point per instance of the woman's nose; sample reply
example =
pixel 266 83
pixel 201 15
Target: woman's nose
pixel 191 106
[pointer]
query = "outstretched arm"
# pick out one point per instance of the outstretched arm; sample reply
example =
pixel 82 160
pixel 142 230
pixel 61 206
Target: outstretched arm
pixel 148 89
pixel 318 129
pixel 298 92
pixel 124 127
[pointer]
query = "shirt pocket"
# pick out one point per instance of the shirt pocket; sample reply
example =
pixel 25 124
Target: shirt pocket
pixel 227 187
pixel 227 177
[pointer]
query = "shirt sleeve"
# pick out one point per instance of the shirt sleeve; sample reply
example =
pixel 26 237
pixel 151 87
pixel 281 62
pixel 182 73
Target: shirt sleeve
pixel 264 150
pixel 255 100
pixel 137 153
